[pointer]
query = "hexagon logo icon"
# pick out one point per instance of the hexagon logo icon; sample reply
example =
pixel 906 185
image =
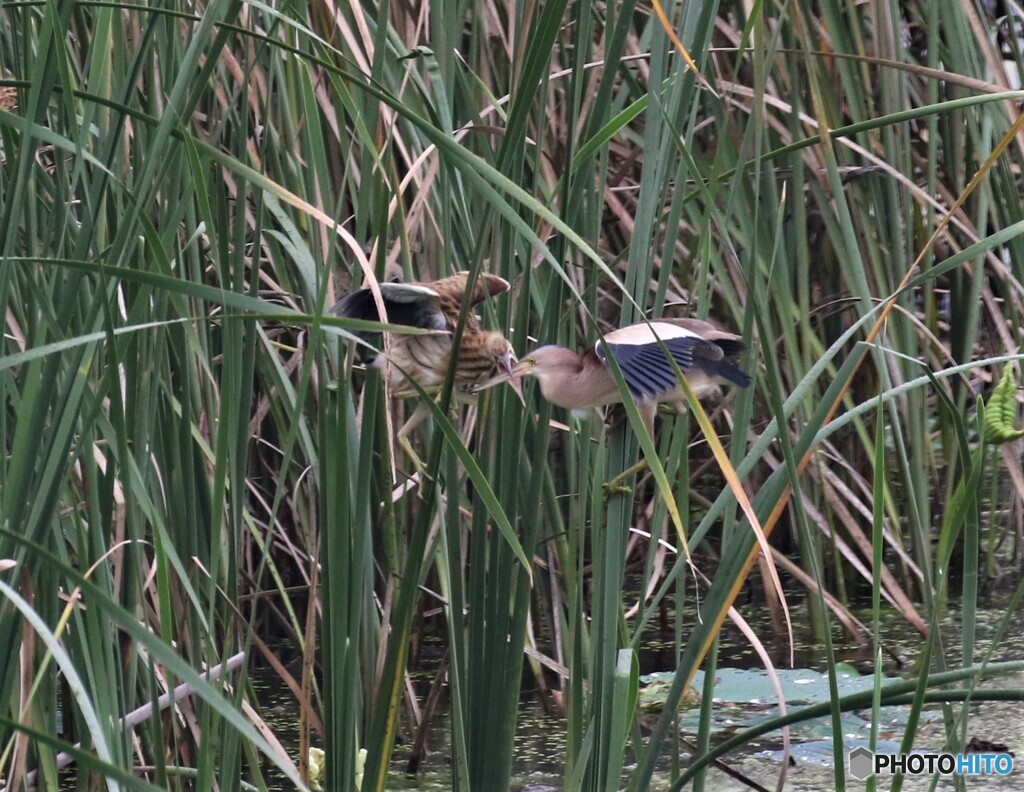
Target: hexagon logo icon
pixel 862 763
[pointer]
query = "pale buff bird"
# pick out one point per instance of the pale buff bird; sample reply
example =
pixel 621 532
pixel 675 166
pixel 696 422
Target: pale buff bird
pixel 704 354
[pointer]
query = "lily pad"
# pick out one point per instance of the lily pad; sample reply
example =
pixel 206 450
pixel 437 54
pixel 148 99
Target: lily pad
pixel 744 698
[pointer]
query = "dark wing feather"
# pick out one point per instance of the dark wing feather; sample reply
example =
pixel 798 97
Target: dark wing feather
pixel 652 362
pixel 643 382
pixel 645 367
pixel 730 347
pixel 685 351
pixel 721 364
pixel 727 370
pixel 715 363
pixel 407 304
pixel 720 343
pixel 715 352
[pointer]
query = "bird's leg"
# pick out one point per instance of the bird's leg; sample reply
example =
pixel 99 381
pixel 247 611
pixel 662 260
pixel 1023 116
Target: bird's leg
pixel 647 412
pixel 406 446
pixel 405 443
pixel 402 436
pixel 419 415
pixel 615 486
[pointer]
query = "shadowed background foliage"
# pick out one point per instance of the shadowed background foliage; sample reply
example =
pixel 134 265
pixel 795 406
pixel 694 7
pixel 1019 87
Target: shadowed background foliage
pixel 192 470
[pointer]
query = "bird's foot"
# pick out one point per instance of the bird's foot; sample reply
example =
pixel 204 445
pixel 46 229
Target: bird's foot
pixel 616 485
pixel 611 489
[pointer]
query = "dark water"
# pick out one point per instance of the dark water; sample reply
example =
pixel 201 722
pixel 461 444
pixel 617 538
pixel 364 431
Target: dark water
pixel 540 737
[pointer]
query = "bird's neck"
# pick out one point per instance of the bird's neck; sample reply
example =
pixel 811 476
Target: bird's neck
pixel 587 386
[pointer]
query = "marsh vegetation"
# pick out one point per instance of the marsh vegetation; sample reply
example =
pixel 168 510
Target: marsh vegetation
pixel 198 482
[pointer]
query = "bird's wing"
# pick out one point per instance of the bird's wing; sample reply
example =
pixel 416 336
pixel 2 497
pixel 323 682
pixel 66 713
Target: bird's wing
pixel 727 370
pixel 650 333
pixel 410 304
pixel 730 344
pixel 716 357
pixel 452 294
pixel 639 351
pixel 486 285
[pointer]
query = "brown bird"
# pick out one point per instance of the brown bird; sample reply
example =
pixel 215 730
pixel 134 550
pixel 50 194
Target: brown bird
pixel 703 353
pixel 425 358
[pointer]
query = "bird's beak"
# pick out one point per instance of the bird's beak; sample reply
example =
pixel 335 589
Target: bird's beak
pixel 509 370
pixel 508 364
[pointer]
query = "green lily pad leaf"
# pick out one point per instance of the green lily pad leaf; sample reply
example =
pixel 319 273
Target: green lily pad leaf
pixel 744 698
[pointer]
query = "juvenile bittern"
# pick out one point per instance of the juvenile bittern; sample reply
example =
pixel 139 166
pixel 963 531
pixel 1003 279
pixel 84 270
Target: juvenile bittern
pixel 425 358
pixel 704 354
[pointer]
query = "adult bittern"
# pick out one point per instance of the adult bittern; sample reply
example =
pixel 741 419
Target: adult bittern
pixel 704 354
pixel 425 358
